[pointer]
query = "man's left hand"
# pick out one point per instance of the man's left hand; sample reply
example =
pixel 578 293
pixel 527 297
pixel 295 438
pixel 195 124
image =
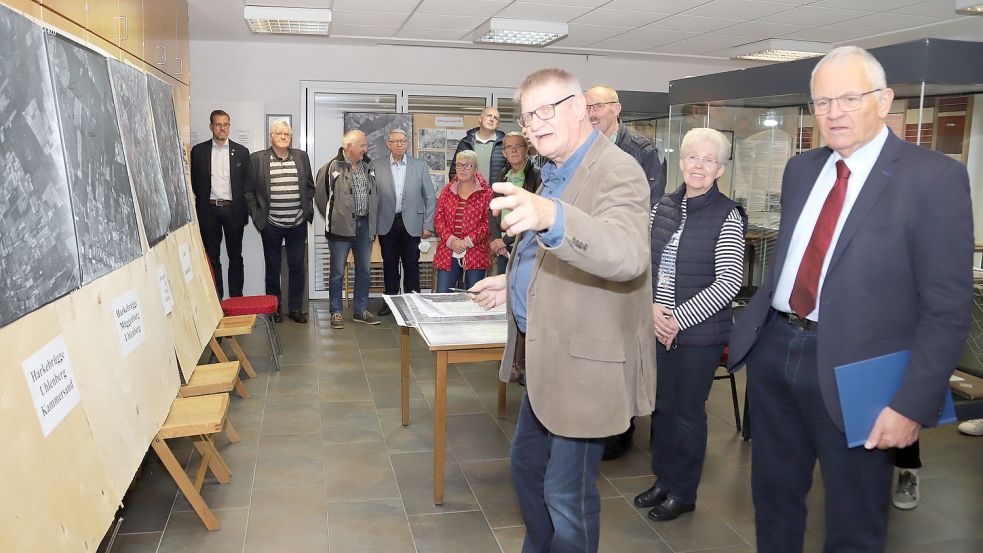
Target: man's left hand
pixel 529 211
pixel 892 429
pixel 426 234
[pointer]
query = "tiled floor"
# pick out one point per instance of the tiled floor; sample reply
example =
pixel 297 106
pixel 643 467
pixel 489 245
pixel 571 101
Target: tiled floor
pixel 324 465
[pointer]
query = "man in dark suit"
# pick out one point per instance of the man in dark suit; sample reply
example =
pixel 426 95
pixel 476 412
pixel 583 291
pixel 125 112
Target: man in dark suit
pixel 873 256
pixel 407 201
pixel 219 169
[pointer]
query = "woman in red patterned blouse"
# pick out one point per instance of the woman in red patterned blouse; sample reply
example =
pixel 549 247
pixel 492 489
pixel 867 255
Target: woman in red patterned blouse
pixel 461 222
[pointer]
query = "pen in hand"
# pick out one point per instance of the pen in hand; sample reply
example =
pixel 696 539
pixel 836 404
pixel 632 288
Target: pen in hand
pixel 462 290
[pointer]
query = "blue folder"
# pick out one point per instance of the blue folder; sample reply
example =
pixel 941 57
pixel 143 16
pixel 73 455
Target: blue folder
pixel 866 387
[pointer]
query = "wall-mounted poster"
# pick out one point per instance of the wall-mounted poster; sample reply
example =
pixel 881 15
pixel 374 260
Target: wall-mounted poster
pixel 376 127
pixel 39 260
pixel 140 148
pixel 437 137
pixel 169 149
pixel 102 199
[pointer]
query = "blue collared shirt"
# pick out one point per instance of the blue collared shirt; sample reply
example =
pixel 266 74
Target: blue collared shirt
pixel 555 181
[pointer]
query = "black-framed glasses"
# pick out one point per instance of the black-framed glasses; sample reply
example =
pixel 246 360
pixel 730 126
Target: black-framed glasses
pixel 599 105
pixel 544 112
pixel 399 141
pixel 464 166
pixel 514 147
pixel 847 102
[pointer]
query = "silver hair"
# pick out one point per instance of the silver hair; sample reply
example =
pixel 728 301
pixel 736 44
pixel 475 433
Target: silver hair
pixel 874 69
pixel 397 131
pixel 467 155
pixel 712 136
pixel 350 137
pixel 519 135
pixel 280 124
pixel 546 76
pixel 608 90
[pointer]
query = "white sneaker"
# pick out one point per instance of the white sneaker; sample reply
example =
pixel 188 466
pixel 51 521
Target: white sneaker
pixel 906 494
pixel 973 427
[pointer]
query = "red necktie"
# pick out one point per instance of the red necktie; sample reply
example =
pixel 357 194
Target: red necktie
pixel 806 287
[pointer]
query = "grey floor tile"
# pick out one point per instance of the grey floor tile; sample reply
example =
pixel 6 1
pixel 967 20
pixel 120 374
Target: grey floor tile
pixel 349 422
pixel 235 494
pixel 287 520
pixel 386 391
pixel 293 414
pixel 293 380
pixel 375 337
pixel 416 437
pixel 696 531
pixel 622 530
pixel 347 386
pixel 453 533
pixel 510 539
pixel 336 357
pixel 414 473
pixel 953 499
pixel 476 437
pixel 247 414
pixel 461 398
pixel 289 461
pixel 492 486
pixel 257 385
pixel 369 527
pixel 148 505
pixel 136 543
pixel 381 362
pixel 358 472
pixel 186 534
pixel 635 462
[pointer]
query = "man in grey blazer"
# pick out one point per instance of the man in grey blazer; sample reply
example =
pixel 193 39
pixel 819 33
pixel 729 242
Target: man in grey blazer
pixel 579 298
pixel 873 256
pixel 407 201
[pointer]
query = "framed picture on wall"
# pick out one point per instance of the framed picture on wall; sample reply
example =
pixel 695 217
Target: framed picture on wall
pixel 273 118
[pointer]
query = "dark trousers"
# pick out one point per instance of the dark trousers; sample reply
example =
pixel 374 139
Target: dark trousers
pixel 554 479
pixel 908 457
pixel 215 221
pixel 792 429
pixel 398 246
pixel 679 422
pixel 295 239
pixel 452 278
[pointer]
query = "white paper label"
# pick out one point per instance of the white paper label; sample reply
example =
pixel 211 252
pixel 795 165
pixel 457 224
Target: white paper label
pixel 165 291
pixel 185 255
pixel 129 321
pixel 448 121
pixel 51 380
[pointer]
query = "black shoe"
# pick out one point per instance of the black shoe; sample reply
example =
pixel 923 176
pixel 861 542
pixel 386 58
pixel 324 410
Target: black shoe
pixel 277 317
pixel 298 316
pixel 651 497
pixel 669 509
pixel 616 446
pixel 385 310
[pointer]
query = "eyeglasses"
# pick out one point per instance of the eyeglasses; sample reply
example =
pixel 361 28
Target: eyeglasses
pixel 281 133
pixel 399 142
pixel 847 102
pixel 599 105
pixel 544 112
pixel 221 125
pixel 464 166
pixel 695 159
pixel 514 147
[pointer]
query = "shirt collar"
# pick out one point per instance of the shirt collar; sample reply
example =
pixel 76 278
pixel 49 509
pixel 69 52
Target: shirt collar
pixel 222 147
pixel 866 155
pixel 392 161
pixel 551 172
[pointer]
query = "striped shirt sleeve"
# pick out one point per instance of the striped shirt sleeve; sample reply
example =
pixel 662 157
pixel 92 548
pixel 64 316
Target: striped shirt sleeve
pixel 729 268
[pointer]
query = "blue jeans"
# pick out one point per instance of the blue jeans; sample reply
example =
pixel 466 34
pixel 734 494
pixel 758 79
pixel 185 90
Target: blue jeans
pixel 554 478
pixel 361 249
pixel 447 279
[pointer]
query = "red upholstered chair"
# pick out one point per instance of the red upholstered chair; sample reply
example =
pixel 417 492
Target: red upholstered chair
pixel 263 307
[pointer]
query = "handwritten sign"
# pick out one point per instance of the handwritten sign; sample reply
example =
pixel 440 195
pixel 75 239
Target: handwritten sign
pixel 165 291
pixel 51 380
pixel 185 254
pixel 129 321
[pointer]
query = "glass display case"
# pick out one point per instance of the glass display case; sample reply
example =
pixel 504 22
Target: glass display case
pixel 764 111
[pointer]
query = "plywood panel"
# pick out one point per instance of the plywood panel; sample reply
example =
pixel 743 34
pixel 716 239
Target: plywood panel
pixel 187 343
pixel 208 311
pixel 126 396
pixel 57 493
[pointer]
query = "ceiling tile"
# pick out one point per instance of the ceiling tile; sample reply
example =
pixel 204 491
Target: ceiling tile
pixel 543 12
pixel 657 6
pixel 815 16
pixel 883 22
pixel 871 5
pixel 596 32
pixel 646 38
pixel 940 9
pixel 583 3
pixel 463 23
pixel 355 17
pixel 762 29
pixel 702 44
pixel 486 8
pixel 827 34
pixel 405 6
pixel 433 34
pixel 692 23
pixel 739 9
pixel 631 19
pixel 345 29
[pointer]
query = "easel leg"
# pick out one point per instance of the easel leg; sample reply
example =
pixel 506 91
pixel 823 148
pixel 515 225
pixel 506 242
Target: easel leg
pixel 241 356
pixel 218 351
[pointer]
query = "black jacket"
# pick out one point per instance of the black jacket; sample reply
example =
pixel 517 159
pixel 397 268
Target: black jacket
pixel 201 176
pixel 498 163
pixel 258 186
pixel 645 153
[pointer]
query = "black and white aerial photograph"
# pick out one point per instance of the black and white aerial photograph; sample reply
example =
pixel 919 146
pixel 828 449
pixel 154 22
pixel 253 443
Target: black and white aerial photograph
pixel 102 201
pixel 376 127
pixel 135 122
pixel 38 255
pixel 169 148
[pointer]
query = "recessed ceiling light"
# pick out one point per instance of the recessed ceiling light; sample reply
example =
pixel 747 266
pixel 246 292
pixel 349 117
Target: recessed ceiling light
pixel 520 32
pixel 777 50
pixel 969 7
pixel 287 21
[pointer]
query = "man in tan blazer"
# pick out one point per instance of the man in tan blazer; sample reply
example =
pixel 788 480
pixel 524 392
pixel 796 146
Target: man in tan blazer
pixel 578 291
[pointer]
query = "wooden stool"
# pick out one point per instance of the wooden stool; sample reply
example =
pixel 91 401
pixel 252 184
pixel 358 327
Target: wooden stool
pixel 229 328
pixel 214 378
pixel 197 418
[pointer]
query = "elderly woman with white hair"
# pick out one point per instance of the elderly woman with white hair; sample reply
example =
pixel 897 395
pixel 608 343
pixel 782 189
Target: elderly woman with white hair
pixel 697 267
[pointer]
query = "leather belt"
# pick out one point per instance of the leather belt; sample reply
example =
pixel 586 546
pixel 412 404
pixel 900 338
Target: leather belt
pixel 220 203
pixel 795 320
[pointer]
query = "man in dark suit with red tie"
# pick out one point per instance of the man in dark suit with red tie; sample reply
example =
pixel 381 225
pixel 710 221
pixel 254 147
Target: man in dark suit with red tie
pixel 873 256
pixel 219 170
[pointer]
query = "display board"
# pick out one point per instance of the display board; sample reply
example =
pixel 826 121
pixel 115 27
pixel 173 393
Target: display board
pixel 102 200
pixel 188 345
pixel 140 149
pixel 39 258
pixel 169 150
pixel 376 127
pixel 200 287
pixel 437 137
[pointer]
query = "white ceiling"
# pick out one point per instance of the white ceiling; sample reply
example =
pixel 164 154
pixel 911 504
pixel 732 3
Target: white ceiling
pixel 621 28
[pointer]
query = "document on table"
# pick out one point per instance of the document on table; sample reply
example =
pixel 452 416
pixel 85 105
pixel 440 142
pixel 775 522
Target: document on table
pixel 476 333
pixel 414 309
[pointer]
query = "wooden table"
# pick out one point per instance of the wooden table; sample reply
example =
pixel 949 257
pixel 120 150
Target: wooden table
pixel 443 354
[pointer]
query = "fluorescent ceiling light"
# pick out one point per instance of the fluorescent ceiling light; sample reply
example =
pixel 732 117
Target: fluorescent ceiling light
pixel 969 7
pixel 287 21
pixel 779 50
pixel 521 32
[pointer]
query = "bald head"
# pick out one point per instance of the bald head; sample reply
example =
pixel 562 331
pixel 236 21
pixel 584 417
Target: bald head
pixel 603 108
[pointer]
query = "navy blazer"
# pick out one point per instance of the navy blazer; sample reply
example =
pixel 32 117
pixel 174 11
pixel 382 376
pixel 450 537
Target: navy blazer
pixel 201 176
pixel 899 278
